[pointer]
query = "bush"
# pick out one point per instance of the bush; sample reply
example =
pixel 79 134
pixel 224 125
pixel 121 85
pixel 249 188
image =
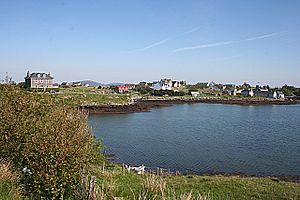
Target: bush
pixel 168 93
pixel 48 140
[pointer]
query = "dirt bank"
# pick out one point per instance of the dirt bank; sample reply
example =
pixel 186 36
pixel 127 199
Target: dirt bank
pixel 145 105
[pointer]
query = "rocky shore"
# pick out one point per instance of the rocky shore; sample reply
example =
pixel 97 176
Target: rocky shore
pixel 145 105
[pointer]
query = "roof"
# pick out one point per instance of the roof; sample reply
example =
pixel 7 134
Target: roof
pixel 122 87
pixel 40 75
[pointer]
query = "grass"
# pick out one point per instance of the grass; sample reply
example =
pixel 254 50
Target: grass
pixel 115 182
pixel 89 96
pixel 9 189
pixel 132 186
pixel 93 99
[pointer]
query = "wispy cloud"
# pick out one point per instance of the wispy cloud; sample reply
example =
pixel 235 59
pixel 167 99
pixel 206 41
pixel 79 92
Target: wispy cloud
pixel 152 45
pixel 217 44
pixel 165 40
pixel 263 36
pixel 191 31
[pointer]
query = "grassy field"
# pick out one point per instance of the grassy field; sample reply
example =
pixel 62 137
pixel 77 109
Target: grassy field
pixel 91 96
pixel 93 99
pixel 116 182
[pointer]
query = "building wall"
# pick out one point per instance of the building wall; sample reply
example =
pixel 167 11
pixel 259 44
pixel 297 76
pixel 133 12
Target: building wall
pixel 39 82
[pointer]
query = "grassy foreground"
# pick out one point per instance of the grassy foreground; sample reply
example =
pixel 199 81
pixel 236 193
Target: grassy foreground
pixel 118 183
pixel 115 182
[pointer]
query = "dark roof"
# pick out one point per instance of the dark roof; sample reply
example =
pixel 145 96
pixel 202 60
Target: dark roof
pixel 40 75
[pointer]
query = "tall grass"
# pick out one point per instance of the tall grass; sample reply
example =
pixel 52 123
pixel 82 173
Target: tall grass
pixel 9 182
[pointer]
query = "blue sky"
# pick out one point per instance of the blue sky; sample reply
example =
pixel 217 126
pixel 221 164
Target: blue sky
pixel 229 41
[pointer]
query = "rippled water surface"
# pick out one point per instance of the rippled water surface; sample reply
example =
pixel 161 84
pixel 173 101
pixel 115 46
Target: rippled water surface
pixel 260 140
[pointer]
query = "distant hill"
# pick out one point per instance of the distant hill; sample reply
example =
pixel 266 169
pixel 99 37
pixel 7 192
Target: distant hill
pixel 95 83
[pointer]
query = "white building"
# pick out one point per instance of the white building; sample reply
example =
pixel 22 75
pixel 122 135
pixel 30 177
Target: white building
pixel 38 80
pixel 163 84
pixel 280 95
pixel 195 94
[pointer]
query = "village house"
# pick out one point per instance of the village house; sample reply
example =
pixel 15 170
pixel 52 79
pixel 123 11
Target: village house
pixel 122 88
pixel 228 86
pixel 264 92
pixel 210 84
pixel 38 80
pixel 176 84
pixel 65 84
pixel 167 84
pixel 163 84
pixel 229 92
pixel 130 86
pixel 247 92
pixel 214 88
pixel 280 95
pixel 195 94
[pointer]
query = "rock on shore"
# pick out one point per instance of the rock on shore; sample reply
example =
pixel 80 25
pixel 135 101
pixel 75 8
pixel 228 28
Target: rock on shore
pixel 144 105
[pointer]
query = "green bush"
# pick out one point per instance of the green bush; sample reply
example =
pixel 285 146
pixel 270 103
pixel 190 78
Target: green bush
pixel 52 141
pixel 168 93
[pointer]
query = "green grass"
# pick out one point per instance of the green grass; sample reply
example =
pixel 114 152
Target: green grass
pixel 83 96
pixel 130 185
pixel 117 183
pixel 93 99
pixel 7 190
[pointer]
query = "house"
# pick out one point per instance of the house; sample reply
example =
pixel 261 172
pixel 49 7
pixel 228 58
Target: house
pixel 268 94
pixel 230 92
pixel 163 84
pixel 228 86
pixel 65 84
pixel 280 95
pixel 195 94
pixel 75 84
pixel 214 88
pixel 246 85
pixel 55 85
pixel 176 84
pixel 130 86
pixel 210 84
pixel 143 83
pixel 247 93
pixel 38 80
pixel 122 88
pixel 264 92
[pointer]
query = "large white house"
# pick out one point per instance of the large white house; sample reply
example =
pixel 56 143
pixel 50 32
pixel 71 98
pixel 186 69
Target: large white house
pixel 163 84
pixel 167 84
pixel 38 80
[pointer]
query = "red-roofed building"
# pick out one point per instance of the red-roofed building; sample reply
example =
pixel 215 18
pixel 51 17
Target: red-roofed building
pixel 122 88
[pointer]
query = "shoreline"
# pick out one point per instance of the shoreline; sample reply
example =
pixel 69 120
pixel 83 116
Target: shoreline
pixel 145 105
pixel 286 178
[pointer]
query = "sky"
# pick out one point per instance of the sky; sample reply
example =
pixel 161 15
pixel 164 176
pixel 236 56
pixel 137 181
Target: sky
pixel 226 41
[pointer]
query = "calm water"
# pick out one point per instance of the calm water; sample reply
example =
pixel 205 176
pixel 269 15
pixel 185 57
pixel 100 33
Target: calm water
pixel 260 140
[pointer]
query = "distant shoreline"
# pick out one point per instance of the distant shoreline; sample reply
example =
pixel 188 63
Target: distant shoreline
pixel 145 105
